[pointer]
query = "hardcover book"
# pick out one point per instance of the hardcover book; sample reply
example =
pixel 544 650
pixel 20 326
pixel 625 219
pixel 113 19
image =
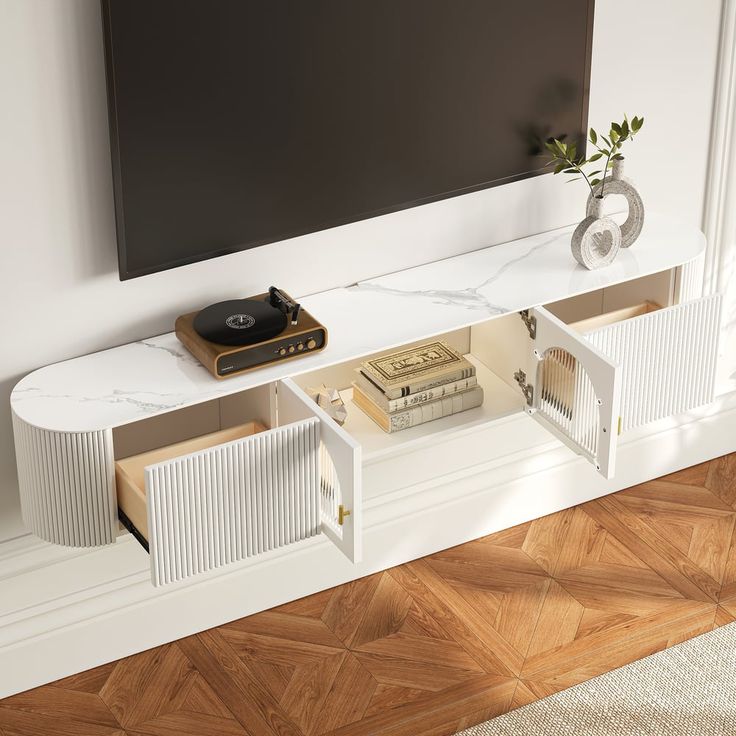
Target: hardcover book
pixel 379 398
pixel 417 415
pixel 416 369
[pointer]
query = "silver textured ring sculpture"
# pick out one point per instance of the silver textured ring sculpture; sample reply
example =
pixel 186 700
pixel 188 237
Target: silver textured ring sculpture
pixel 596 240
pixel 618 184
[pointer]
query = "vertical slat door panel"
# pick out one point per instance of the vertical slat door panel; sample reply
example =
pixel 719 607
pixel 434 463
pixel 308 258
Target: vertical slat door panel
pixel 667 358
pixel 340 470
pixel 223 504
pixel 577 391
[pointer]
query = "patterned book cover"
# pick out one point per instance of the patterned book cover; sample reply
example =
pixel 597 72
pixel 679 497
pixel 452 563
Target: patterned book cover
pixel 416 369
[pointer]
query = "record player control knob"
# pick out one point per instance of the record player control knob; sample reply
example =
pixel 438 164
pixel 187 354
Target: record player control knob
pixel 300 346
pixel 291 348
pixel 282 351
pixel 311 343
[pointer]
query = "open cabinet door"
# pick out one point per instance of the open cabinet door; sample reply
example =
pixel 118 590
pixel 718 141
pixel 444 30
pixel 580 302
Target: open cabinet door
pixel 575 390
pixel 340 469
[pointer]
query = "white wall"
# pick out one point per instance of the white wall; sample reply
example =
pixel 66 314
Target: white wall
pixel 720 212
pixel 59 291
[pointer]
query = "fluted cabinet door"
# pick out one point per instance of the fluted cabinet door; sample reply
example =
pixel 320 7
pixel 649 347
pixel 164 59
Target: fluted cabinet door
pixel 236 500
pixel 667 358
pixel 67 484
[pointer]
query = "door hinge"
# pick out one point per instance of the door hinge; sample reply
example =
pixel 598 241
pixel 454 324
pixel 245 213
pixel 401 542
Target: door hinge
pixel 342 512
pixel 620 423
pixel 530 321
pixel 526 388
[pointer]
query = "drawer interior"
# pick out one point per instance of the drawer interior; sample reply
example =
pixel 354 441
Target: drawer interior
pixel 130 471
pixel 657 288
pixel 617 315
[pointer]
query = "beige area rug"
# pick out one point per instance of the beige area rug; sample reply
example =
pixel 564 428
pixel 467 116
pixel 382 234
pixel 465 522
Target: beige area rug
pixel 687 690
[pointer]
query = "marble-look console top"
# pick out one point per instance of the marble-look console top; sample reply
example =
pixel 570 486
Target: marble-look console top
pixel 156 375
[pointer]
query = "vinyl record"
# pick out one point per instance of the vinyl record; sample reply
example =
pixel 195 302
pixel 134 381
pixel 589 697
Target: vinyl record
pixel 239 322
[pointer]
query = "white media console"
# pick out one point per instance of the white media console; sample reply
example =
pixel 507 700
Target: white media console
pixel 218 473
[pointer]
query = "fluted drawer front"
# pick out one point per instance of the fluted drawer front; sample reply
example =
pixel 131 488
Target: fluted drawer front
pixel 668 359
pixel 66 482
pixel 233 501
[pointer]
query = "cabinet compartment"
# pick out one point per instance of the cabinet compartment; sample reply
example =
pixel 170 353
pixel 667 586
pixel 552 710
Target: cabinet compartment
pixel 200 509
pixel 498 348
pixel 667 355
pixel 499 401
pixel 243 491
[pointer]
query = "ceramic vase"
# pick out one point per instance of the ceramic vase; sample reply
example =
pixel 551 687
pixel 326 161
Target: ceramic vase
pixel 617 183
pixel 596 240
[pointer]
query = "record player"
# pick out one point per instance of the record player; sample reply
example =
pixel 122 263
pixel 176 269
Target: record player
pixel 238 335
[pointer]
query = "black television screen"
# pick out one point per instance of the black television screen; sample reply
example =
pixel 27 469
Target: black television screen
pixel 236 123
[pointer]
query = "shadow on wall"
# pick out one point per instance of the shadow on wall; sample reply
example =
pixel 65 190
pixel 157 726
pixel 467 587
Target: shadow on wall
pixel 10 523
pixel 60 140
pixel 80 53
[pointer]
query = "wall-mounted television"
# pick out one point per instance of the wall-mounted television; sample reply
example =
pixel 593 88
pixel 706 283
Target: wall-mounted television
pixel 236 123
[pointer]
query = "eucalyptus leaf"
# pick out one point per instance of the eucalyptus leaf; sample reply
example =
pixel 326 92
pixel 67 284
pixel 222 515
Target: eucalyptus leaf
pixel 564 157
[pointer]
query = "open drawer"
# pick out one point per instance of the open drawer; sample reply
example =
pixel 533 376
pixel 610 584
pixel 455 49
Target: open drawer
pixel 240 492
pixel 586 382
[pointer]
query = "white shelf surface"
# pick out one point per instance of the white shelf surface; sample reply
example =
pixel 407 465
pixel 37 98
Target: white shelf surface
pixel 499 400
pixel 153 376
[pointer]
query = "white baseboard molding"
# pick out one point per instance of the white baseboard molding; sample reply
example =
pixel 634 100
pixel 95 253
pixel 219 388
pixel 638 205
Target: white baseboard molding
pixel 63 611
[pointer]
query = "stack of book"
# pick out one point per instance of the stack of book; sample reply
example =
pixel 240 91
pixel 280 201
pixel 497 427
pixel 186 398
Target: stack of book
pixel 415 386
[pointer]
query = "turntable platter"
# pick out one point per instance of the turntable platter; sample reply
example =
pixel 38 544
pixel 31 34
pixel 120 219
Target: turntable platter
pixel 239 322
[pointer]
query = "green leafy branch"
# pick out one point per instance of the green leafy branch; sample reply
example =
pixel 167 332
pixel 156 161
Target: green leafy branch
pixel 566 160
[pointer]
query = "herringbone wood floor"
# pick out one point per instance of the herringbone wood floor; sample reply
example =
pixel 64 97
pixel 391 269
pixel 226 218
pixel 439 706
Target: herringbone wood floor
pixel 439 644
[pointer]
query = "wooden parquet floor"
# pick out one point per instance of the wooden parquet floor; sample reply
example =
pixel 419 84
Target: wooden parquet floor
pixel 439 644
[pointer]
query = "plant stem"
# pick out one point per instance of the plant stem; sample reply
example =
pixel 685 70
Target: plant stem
pixel 605 171
pixel 573 165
